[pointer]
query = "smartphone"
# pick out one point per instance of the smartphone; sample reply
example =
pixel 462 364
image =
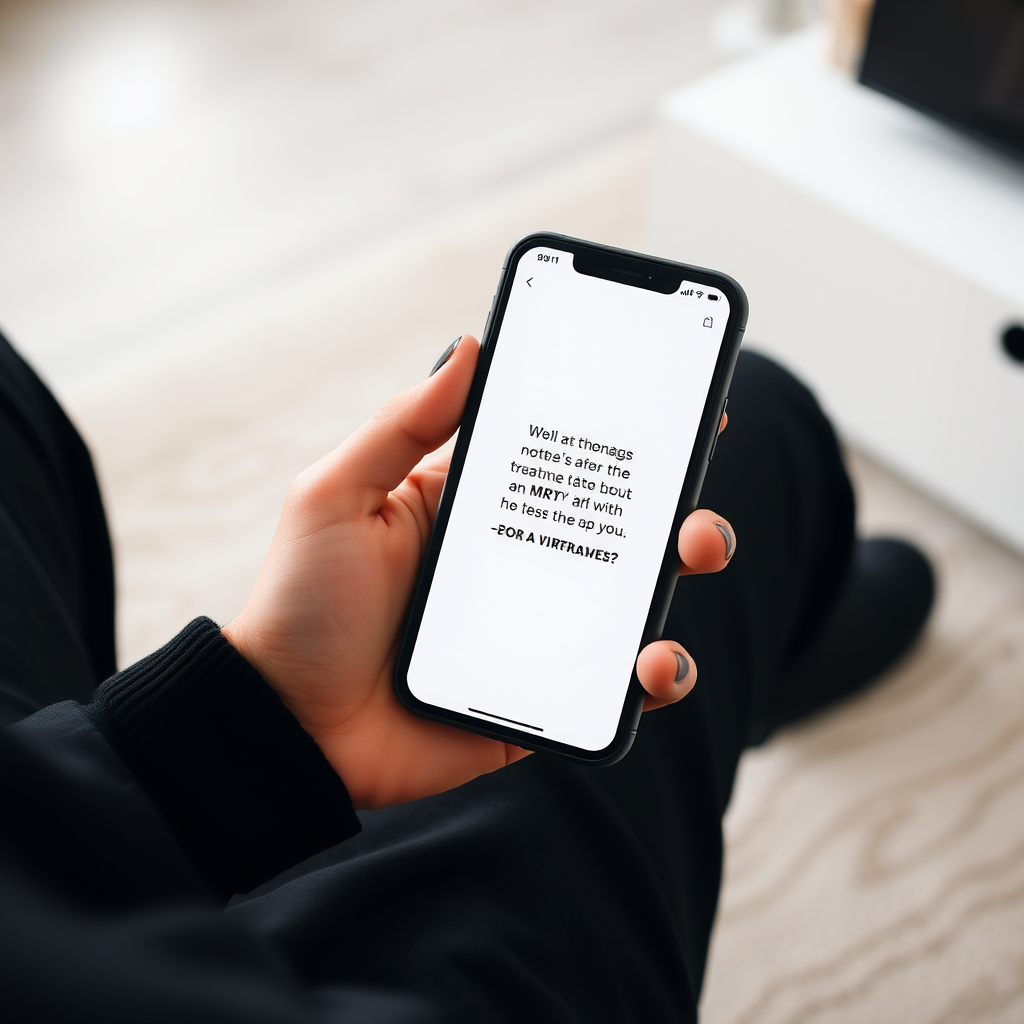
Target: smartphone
pixel 590 423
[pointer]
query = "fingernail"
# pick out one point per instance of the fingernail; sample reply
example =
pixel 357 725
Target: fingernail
pixel 445 356
pixel 730 543
pixel 682 667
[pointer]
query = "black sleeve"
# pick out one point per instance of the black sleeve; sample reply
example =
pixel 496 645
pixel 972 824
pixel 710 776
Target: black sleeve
pixel 125 822
pixel 245 790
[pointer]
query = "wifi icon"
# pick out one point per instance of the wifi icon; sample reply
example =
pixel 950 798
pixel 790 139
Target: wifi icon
pixel 700 295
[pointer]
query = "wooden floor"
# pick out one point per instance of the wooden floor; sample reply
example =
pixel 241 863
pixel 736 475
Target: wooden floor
pixel 876 856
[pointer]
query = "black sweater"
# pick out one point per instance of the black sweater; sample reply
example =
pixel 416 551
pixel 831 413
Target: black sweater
pixel 126 823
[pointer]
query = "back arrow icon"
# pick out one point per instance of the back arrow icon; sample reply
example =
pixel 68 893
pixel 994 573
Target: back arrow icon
pixel 528 280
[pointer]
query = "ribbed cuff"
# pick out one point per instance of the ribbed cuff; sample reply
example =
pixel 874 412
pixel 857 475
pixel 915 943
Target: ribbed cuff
pixel 243 787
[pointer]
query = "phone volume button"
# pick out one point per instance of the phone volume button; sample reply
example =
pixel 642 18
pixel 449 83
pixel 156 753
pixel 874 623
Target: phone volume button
pixel 714 444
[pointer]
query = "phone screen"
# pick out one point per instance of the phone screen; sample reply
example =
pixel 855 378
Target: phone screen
pixel 566 501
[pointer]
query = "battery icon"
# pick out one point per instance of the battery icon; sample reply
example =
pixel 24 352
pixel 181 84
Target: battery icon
pixel 712 298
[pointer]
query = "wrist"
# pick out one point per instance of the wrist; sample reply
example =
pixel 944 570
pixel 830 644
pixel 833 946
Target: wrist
pixel 246 642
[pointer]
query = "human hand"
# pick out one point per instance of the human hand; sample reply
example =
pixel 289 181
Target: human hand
pixel 323 621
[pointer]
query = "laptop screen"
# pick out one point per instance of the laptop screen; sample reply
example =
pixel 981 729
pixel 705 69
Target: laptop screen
pixel 959 60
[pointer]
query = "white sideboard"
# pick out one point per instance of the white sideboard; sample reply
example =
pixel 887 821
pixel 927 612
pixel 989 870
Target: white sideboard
pixel 882 253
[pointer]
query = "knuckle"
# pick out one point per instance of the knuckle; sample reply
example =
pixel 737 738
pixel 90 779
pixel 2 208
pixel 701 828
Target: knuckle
pixel 304 492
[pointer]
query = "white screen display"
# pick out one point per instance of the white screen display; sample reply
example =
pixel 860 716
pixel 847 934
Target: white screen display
pixel 566 501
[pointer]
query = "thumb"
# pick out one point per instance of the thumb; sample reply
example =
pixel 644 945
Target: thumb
pixel 360 473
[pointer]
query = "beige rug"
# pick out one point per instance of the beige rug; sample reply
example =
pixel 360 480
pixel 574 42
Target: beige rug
pixel 875 857
pixel 875 866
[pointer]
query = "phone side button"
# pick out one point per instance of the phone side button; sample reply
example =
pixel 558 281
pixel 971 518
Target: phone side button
pixel 714 444
pixel 490 317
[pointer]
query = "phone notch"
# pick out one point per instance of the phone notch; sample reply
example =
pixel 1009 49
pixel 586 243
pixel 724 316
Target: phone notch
pixel 614 266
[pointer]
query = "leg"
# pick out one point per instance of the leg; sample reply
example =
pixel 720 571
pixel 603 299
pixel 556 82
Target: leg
pixel 778 476
pixel 56 572
pixel 554 892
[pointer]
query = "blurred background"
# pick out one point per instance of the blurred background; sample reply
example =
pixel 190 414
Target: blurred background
pixel 230 229
pixel 164 160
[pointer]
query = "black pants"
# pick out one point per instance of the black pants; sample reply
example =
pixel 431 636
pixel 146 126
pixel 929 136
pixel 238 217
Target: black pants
pixel 546 891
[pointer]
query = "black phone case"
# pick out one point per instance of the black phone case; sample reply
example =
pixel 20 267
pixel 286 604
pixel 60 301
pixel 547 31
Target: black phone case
pixel 640 271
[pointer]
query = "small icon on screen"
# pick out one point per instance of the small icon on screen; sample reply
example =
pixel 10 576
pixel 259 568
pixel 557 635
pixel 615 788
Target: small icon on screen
pixel 700 295
pixel 708 322
pixel 686 291
pixel 713 298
